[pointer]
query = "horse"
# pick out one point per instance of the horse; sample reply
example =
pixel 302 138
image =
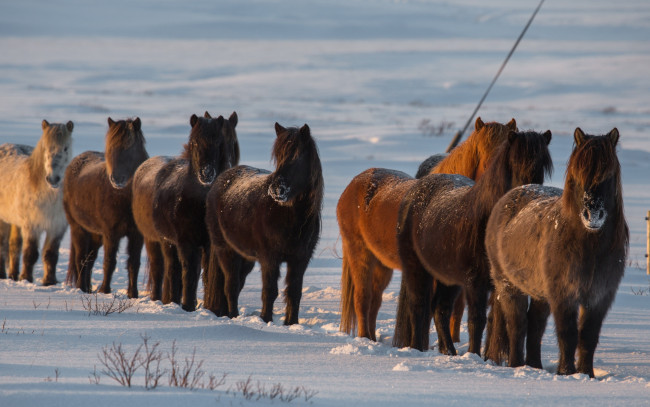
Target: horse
pixel 269 217
pixel 461 163
pixel 97 203
pixel 440 231
pixel 31 200
pixel 169 207
pixel 563 249
pixel 367 217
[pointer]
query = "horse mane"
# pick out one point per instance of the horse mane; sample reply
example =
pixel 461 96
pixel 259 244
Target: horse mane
pixel 480 145
pixel 592 162
pixel 285 149
pixel 532 157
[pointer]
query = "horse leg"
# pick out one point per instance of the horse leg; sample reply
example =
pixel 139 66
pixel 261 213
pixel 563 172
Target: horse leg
pixel 5 231
pixel 86 261
pixel 457 317
pixel 361 273
pixel 190 257
pixel 134 249
pixel 496 341
pixel 230 264
pixel 51 257
pixel 270 276
pixel 213 284
pixel 156 269
pixel 417 288
pixel 172 283
pixel 477 296
pixel 443 302
pixel 566 327
pixel 294 279
pixel 381 276
pixel 30 256
pixel 514 306
pixel 591 321
pixel 15 245
pixel 538 312
pixel 111 245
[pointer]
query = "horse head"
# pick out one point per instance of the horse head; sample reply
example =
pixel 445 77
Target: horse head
pixel 528 157
pixel 125 150
pixel 56 149
pixel 203 147
pixel 593 178
pixel 298 168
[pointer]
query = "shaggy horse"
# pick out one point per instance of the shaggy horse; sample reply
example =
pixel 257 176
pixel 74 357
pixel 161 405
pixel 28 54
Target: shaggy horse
pixel 565 250
pixel 462 163
pixel 97 203
pixel 441 226
pixel 32 202
pixel 169 207
pixel 367 216
pixel 253 214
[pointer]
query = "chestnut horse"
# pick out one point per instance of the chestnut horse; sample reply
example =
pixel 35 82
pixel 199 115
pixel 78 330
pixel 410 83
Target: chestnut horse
pixel 566 251
pixel 169 207
pixel 31 201
pixel 97 203
pixel 440 233
pixel 270 217
pixel 367 216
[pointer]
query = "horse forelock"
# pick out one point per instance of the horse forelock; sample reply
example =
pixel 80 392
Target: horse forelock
pixel 123 135
pixel 56 140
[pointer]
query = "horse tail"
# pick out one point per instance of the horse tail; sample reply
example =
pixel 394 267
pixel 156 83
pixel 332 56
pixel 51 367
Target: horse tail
pixel 497 346
pixel 211 283
pixel 348 316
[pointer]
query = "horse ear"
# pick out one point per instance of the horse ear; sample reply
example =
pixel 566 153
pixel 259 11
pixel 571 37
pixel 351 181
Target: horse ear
pixel 137 124
pixel 304 130
pixel 45 124
pixel 479 124
pixel 110 122
pixel 547 136
pixel 613 136
pixel 220 120
pixel 193 120
pixel 512 136
pixel 207 115
pixel 279 129
pixel 233 119
pixel 512 124
pixel 69 125
pixel 578 136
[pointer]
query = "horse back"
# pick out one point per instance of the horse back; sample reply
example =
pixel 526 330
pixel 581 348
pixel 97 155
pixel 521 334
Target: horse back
pixel 367 212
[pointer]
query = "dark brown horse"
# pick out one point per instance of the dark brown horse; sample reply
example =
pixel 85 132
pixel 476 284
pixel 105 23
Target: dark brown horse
pixel 97 203
pixel 256 215
pixel 367 217
pixel 566 250
pixel 169 207
pixel 441 226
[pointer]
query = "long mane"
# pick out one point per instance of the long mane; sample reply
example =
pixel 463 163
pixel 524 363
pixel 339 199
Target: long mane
pixel 123 134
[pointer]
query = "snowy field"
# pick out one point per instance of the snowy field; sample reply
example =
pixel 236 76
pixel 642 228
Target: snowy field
pixel 375 80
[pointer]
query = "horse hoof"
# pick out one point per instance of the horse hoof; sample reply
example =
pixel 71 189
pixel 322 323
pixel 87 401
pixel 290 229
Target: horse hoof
pixel 104 290
pixel 132 293
pixel 49 281
pixel 26 277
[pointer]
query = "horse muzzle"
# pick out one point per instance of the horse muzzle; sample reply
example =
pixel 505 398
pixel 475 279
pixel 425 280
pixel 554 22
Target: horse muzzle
pixel 593 219
pixel 279 193
pixel 118 182
pixel 54 181
pixel 207 175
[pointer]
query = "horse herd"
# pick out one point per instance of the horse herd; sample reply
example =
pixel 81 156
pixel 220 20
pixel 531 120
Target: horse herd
pixel 475 226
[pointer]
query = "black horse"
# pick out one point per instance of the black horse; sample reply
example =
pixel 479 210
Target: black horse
pixel 565 250
pixel 256 215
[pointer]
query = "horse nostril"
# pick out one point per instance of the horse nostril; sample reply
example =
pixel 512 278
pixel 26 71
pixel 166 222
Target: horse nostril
pixel 601 213
pixel 585 214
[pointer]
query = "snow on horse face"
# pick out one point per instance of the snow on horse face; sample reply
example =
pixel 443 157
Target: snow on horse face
pixel 31 200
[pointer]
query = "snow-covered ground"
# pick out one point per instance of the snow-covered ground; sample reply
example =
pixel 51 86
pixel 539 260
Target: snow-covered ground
pixel 366 75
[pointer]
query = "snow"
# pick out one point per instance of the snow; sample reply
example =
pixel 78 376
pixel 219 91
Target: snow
pixel 363 74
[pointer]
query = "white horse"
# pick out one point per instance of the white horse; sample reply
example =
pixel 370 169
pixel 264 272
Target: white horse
pixel 31 201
